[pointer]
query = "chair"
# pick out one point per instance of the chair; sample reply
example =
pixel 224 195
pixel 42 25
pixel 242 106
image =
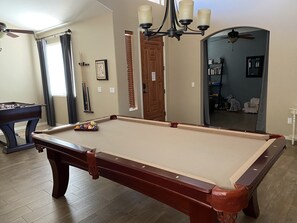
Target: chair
pixel 252 106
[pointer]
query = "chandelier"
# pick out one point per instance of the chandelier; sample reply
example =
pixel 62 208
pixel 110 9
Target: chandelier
pixel 178 27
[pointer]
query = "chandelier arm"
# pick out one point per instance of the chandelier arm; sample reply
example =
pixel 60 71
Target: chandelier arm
pixel 195 31
pixel 156 35
pixel 182 25
pixel 173 18
pixel 200 32
pixel 165 16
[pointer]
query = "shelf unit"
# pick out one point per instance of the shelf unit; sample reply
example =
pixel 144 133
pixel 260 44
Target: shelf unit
pixel 215 76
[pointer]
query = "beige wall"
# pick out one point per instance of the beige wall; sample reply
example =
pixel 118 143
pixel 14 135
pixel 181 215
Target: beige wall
pixel 103 38
pixel 279 18
pixel 183 57
pixel 17 76
pixel 19 79
pixel 125 18
pixel 92 40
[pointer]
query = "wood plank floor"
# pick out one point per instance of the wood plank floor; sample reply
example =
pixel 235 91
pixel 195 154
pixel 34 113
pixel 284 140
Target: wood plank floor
pixel 26 184
pixel 234 120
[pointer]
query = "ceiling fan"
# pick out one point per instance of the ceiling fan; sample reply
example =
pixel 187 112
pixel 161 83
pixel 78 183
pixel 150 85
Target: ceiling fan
pixel 10 32
pixel 233 36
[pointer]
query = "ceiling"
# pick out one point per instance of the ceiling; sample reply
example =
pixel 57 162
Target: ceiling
pixel 39 15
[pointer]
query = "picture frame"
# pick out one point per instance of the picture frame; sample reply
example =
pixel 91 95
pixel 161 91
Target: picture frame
pixel 254 66
pixel 101 69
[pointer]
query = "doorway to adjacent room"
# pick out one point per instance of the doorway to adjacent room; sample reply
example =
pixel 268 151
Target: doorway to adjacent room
pixel 235 79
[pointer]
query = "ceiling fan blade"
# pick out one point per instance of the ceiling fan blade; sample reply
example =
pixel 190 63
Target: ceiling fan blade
pixel 12 35
pixel 223 37
pixel 246 37
pixel 20 31
pixel 246 34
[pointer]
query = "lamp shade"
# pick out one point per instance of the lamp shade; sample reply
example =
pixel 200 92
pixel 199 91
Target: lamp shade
pixel 186 8
pixel 145 14
pixel 204 17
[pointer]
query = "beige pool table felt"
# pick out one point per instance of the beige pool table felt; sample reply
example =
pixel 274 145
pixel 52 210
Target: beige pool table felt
pixel 215 156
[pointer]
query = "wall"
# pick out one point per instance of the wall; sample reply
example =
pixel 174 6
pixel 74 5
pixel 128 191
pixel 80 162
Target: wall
pixel 282 78
pixel 183 60
pixel 92 39
pixel 100 38
pixel 125 18
pixel 183 81
pixel 18 77
pixel 234 79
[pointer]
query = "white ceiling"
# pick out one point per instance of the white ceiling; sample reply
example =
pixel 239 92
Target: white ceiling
pixel 38 15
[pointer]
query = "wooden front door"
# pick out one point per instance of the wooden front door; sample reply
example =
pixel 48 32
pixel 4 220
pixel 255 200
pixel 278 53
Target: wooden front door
pixel 152 78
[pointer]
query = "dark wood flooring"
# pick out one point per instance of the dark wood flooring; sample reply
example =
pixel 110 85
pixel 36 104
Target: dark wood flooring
pixel 234 120
pixel 26 184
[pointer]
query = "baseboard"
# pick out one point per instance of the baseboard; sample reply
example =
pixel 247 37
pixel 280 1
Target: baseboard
pixel 289 138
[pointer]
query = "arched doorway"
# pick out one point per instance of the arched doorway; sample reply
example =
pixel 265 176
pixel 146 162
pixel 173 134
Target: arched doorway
pixel 235 79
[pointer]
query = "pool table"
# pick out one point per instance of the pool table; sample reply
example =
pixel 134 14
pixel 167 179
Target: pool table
pixel 209 174
pixel 11 113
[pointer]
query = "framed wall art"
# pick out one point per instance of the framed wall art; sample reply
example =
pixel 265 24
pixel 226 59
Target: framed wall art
pixel 254 66
pixel 101 69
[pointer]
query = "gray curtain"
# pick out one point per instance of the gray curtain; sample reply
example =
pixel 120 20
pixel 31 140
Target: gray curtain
pixel 69 77
pixel 261 121
pixel 48 98
pixel 204 64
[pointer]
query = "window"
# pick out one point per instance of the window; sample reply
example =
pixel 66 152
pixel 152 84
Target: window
pixel 130 70
pixel 161 2
pixel 56 69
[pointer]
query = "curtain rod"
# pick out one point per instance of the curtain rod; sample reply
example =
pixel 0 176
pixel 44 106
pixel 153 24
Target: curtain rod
pixel 55 35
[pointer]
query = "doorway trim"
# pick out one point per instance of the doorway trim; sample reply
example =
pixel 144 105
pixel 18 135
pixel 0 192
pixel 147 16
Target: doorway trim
pixel 261 120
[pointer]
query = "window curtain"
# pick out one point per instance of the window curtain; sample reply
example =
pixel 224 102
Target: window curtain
pixel 204 63
pixel 69 77
pixel 261 121
pixel 48 98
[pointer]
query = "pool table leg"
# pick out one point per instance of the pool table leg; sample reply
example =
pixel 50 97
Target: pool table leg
pixel 60 174
pixel 252 209
pixel 31 126
pixel 9 133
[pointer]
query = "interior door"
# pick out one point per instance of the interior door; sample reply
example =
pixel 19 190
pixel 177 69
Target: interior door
pixel 153 78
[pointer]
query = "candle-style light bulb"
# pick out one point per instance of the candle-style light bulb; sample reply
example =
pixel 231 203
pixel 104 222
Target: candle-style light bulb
pixel 186 8
pixel 145 16
pixel 203 18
